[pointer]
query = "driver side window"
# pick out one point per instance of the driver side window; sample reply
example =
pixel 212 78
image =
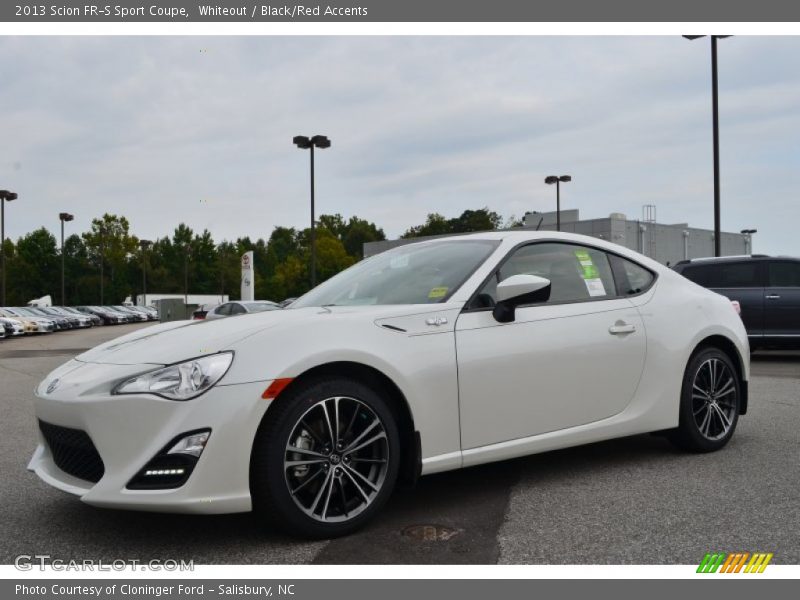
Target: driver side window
pixel 576 273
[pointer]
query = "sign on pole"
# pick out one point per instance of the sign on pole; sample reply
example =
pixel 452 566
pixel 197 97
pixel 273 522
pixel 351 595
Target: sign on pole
pixel 248 277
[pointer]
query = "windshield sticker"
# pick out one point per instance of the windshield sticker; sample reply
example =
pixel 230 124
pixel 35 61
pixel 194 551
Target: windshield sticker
pixel 590 274
pixel 438 292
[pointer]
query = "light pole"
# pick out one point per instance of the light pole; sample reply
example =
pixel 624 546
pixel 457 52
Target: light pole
pixel 63 217
pixel 715 134
pixel 186 250
pixel 222 256
pixel 5 195
pixel 558 180
pixel 305 143
pixel 748 239
pixel 144 245
pixel 102 231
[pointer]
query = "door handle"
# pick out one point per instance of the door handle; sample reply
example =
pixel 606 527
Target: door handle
pixel 772 297
pixel 620 327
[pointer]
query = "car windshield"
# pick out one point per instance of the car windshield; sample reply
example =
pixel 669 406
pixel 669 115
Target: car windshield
pixel 415 274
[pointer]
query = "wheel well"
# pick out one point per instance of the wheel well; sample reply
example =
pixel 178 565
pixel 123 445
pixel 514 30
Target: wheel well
pixel 728 347
pixel 411 455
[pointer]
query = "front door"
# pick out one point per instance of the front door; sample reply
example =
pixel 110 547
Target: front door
pixel 572 360
pixel 782 301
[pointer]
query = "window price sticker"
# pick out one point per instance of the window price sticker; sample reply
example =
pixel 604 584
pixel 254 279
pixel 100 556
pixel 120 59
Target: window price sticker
pixel 590 274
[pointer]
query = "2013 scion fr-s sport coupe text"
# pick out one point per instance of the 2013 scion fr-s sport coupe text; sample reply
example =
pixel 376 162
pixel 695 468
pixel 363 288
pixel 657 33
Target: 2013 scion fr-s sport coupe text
pixel 432 356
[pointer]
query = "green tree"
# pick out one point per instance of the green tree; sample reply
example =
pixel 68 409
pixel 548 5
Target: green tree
pixel 353 233
pixel 482 219
pixel 81 279
pixel 110 241
pixel 435 224
pixel 34 268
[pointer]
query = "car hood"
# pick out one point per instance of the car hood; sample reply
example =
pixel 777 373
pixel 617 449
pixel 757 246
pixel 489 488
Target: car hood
pixel 176 341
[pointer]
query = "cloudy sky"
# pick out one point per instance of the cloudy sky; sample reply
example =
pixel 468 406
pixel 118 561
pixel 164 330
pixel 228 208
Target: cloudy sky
pixel 198 130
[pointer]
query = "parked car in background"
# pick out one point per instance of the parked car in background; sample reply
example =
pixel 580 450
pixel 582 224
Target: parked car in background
pixel 32 323
pixel 241 307
pixel 128 310
pixel 128 316
pixel 767 289
pixel 109 317
pixel 286 302
pixel 62 322
pixel 201 311
pixel 80 320
pixel 74 311
pixel 12 327
pixel 150 315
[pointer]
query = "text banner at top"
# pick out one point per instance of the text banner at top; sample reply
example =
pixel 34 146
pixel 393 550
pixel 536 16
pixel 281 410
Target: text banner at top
pixel 466 11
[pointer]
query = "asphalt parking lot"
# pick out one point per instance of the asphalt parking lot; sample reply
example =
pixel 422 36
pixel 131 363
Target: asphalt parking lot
pixel 635 500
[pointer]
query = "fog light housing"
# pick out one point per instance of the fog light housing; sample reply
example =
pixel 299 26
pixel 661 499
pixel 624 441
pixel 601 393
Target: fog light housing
pixel 173 465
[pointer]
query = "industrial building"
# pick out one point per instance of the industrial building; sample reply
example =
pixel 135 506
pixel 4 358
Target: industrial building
pixel 666 243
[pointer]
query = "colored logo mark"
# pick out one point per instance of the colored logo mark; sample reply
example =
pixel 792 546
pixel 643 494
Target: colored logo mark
pixel 735 562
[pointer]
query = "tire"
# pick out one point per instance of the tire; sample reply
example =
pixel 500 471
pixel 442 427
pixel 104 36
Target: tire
pixel 710 402
pixel 338 491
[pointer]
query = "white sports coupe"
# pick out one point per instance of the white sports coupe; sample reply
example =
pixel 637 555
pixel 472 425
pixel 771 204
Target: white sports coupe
pixel 431 356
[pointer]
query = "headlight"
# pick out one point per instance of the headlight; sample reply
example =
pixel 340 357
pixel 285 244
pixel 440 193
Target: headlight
pixel 182 381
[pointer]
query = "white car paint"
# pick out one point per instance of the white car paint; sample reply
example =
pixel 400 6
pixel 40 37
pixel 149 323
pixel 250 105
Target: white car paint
pixel 477 390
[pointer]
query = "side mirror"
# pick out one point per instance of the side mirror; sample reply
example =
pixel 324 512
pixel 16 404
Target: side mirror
pixel 517 290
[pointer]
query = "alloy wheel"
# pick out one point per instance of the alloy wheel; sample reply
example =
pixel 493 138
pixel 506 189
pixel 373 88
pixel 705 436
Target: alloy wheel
pixel 336 459
pixel 714 399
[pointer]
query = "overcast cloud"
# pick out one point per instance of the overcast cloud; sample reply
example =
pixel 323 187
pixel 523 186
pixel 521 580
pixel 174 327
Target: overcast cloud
pixel 198 130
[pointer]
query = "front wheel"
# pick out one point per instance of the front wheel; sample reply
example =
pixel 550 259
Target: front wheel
pixel 710 401
pixel 326 458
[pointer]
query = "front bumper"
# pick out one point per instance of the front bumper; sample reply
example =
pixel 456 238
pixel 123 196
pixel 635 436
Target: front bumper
pixel 129 430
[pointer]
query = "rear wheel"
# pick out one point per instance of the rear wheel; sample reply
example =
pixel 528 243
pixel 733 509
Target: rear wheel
pixel 710 401
pixel 326 458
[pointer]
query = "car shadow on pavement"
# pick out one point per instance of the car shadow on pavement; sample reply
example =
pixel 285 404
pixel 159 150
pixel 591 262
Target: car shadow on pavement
pixel 461 512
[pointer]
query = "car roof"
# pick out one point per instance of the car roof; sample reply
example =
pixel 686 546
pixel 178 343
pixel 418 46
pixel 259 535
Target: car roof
pixel 519 236
pixel 735 258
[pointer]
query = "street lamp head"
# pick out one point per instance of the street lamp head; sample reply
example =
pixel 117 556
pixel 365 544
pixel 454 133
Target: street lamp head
pixel 321 141
pixel 318 141
pixel 565 178
pixel 8 196
pixel 65 216
pixel 697 37
pixel 301 141
pixel 749 231
pixel 550 179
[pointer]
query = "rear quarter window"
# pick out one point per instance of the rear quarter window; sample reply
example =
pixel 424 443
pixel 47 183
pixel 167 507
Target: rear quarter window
pixel 631 277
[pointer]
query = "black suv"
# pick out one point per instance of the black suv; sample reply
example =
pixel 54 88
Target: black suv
pixel 767 289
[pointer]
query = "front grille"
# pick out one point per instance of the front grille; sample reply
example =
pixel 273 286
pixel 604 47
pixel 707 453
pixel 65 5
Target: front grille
pixel 73 452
